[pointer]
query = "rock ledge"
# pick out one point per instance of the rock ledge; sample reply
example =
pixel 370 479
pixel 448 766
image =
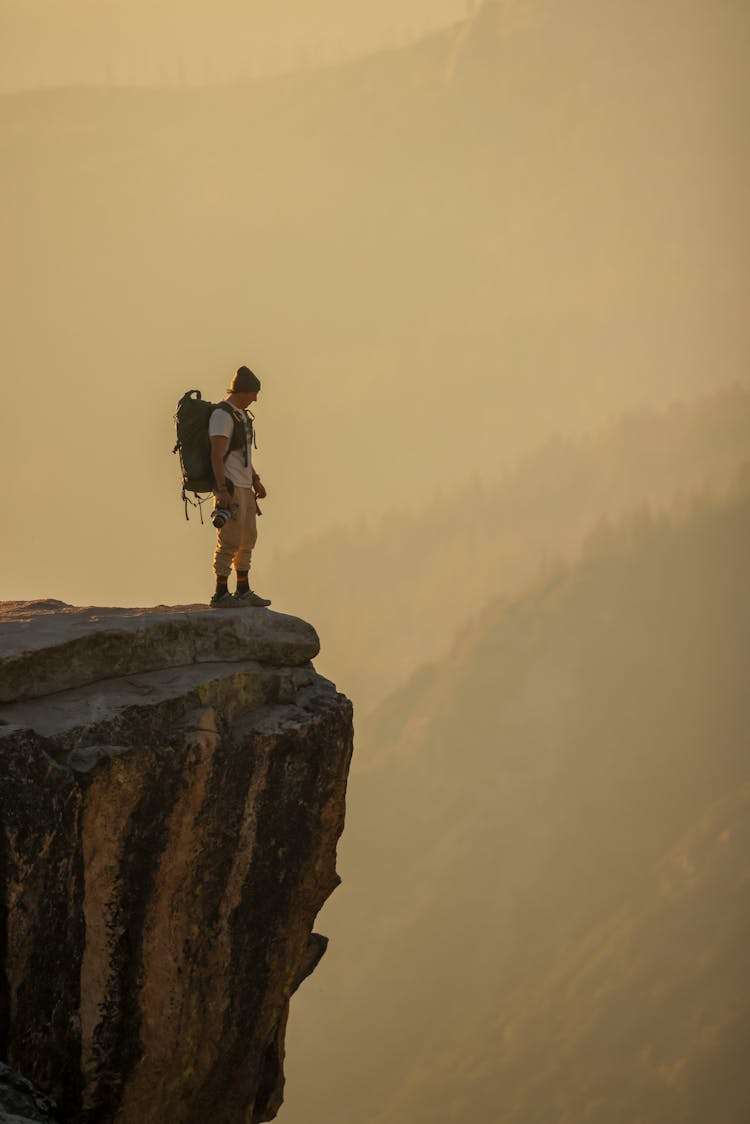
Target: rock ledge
pixel 82 646
pixel 172 787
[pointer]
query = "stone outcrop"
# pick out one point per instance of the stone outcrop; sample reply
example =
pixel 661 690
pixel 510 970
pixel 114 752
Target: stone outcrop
pixel 172 788
pixel 21 1103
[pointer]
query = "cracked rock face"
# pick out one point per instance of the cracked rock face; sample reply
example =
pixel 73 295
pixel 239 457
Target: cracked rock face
pixel 172 789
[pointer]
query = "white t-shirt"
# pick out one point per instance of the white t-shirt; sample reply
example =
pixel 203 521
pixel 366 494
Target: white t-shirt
pixel 220 424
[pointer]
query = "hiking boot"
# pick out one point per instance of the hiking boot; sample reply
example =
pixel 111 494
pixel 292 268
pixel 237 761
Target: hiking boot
pixel 224 601
pixel 251 600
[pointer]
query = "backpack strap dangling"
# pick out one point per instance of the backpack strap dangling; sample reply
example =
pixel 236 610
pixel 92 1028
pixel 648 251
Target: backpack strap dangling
pixel 197 502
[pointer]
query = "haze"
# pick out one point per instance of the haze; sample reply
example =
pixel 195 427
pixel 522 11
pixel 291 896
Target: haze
pixel 491 263
pixel 435 258
pixel 89 41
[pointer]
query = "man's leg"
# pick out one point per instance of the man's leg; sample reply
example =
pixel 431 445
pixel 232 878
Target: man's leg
pixel 227 541
pixel 243 555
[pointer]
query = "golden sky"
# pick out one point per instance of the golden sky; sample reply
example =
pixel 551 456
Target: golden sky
pixel 436 258
pixel 48 43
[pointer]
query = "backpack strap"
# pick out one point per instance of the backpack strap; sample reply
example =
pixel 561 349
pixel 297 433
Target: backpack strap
pixel 239 439
pixel 198 502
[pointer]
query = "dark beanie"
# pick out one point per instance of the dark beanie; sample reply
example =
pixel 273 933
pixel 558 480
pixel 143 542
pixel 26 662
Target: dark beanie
pixel 244 381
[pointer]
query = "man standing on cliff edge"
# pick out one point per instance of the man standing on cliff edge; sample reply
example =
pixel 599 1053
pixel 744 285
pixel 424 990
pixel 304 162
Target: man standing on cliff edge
pixel 238 485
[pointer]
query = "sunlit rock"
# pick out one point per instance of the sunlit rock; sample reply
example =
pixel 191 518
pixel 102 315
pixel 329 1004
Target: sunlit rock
pixel 172 789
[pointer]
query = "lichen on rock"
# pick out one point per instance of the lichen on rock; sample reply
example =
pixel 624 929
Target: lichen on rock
pixel 169 835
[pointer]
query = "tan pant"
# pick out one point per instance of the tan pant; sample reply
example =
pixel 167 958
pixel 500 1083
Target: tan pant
pixel 238 536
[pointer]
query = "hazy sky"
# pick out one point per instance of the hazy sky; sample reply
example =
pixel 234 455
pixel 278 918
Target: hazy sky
pixel 435 259
pixel 47 43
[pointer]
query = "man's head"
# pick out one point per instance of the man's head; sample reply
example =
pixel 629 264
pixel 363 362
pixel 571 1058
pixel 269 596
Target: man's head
pixel 245 387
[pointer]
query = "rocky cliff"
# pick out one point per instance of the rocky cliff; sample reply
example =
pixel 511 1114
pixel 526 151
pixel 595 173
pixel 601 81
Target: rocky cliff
pixel 172 788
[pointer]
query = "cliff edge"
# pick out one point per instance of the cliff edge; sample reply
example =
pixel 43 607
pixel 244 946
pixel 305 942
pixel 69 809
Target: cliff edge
pixel 172 786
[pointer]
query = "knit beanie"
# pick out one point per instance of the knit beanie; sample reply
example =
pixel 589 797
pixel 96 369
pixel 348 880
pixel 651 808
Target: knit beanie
pixel 244 381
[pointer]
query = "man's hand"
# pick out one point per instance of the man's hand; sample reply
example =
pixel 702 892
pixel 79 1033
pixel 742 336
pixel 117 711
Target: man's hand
pixel 258 488
pixel 223 499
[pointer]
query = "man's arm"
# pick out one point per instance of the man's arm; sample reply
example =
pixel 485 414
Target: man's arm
pixel 219 446
pixel 258 488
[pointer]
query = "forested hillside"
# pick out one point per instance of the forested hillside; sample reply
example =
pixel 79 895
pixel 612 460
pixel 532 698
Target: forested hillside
pixel 390 593
pixel 545 912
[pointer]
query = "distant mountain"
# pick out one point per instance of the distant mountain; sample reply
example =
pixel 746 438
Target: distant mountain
pixel 390 594
pixel 545 911
pixel 435 256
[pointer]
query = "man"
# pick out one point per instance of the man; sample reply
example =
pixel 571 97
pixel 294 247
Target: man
pixel 237 486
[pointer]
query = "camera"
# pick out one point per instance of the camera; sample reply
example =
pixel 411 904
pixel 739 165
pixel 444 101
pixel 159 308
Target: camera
pixel 219 516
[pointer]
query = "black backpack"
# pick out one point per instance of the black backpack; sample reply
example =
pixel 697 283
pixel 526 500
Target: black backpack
pixel 194 445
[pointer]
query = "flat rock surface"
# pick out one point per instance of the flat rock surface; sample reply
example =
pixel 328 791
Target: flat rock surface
pixel 48 646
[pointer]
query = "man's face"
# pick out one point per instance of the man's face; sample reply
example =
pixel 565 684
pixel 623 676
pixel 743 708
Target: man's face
pixel 248 398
